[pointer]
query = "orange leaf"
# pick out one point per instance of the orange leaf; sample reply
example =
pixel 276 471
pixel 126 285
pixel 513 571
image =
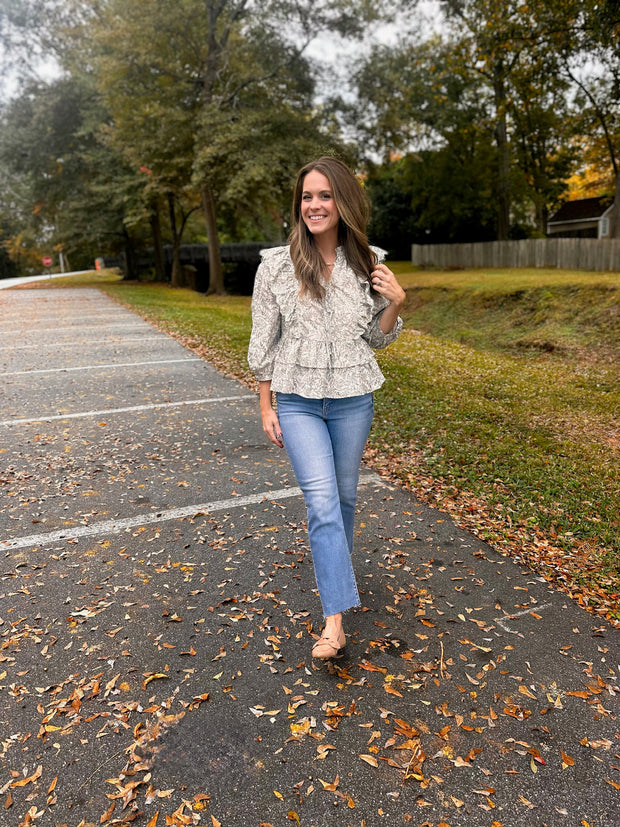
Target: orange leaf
pixel 370 668
pixel 369 759
pixel 153 821
pixel 390 690
pixel 331 787
pixel 31 778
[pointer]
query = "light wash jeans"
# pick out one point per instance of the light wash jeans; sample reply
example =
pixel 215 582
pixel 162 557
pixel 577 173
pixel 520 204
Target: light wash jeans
pixel 325 439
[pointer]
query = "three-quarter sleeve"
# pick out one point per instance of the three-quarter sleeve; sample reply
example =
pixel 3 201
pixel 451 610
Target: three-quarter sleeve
pixel 375 337
pixel 266 325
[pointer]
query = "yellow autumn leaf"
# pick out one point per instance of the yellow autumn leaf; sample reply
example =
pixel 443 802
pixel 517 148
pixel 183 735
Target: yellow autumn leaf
pixel 369 759
pixel 152 678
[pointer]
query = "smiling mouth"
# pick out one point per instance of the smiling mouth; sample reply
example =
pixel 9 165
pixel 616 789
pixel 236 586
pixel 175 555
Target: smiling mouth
pixel 316 217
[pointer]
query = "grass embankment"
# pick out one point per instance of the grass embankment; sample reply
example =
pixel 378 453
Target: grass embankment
pixel 500 406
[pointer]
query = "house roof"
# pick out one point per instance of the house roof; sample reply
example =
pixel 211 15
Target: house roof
pixel 583 209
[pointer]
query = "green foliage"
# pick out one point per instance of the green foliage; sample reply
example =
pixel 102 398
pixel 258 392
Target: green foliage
pixel 74 193
pixel 517 79
pixel 165 110
pixel 433 197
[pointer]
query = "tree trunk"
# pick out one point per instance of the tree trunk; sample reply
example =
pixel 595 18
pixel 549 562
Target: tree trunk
pixel 216 274
pixel 503 151
pixel 542 214
pixel 176 279
pixel 130 263
pixel 614 229
pixel 158 250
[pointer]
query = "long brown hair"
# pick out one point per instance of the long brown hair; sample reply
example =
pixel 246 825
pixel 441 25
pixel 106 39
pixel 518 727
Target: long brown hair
pixel 354 211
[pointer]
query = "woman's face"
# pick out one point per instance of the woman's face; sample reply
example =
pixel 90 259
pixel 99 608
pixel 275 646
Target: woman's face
pixel 318 209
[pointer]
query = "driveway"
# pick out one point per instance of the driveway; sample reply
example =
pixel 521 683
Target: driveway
pixel 157 610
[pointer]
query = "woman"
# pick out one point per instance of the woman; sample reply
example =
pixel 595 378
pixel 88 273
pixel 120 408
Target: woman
pixel 319 306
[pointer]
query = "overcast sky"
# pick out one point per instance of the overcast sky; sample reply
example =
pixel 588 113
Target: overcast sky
pixel 337 54
pixel 331 51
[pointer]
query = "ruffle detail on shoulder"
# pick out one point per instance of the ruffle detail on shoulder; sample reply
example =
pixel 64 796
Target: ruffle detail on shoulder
pixel 379 252
pixel 275 253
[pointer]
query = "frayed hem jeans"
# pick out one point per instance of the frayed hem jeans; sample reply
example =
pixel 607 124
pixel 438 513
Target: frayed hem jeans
pixel 325 439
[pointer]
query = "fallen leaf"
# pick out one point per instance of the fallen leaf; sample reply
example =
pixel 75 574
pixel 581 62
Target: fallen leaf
pixel 153 677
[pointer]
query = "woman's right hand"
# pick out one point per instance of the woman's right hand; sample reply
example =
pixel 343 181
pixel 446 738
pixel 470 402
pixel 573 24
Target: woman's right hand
pixel 271 426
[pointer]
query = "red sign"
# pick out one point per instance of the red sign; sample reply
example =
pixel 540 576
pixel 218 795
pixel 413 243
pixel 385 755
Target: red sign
pixel 47 261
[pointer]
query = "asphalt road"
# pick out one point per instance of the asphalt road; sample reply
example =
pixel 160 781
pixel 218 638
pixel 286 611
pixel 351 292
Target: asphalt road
pixel 157 610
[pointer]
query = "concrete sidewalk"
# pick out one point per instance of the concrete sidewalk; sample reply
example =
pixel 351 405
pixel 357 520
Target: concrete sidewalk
pixel 157 611
pixel 5 284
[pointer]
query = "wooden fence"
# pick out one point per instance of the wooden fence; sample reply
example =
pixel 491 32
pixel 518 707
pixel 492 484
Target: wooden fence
pixel 564 253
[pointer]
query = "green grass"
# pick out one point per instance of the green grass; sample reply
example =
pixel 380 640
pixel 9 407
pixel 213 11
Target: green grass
pixel 89 278
pixel 501 405
pixel 516 310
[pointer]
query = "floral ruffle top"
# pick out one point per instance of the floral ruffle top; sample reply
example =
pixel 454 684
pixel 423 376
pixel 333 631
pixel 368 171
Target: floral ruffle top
pixel 313 348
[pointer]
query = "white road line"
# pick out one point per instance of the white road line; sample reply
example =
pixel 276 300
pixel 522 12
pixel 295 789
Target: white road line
pixel 100 367
pixel 501 621
pixel 82 343
pixel 117 526
pixel 137 408
pixel 83 318
pixel 137 325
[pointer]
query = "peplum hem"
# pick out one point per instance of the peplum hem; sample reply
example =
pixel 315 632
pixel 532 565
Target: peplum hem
pixel 317 383
pixel 324 355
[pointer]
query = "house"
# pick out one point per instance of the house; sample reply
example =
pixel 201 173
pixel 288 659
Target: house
pixel 583 218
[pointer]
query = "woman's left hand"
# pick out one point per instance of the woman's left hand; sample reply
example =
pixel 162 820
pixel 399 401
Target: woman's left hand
pixel 384 282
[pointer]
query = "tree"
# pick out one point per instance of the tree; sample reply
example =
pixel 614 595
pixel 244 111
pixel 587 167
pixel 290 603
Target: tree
pixel 8 268
pixel 542 134
pixel 76 193
pixel 417 101
pixel 182 84
pixel 209 96
pixel 495 71
pixel 588 43
pixel 497 37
